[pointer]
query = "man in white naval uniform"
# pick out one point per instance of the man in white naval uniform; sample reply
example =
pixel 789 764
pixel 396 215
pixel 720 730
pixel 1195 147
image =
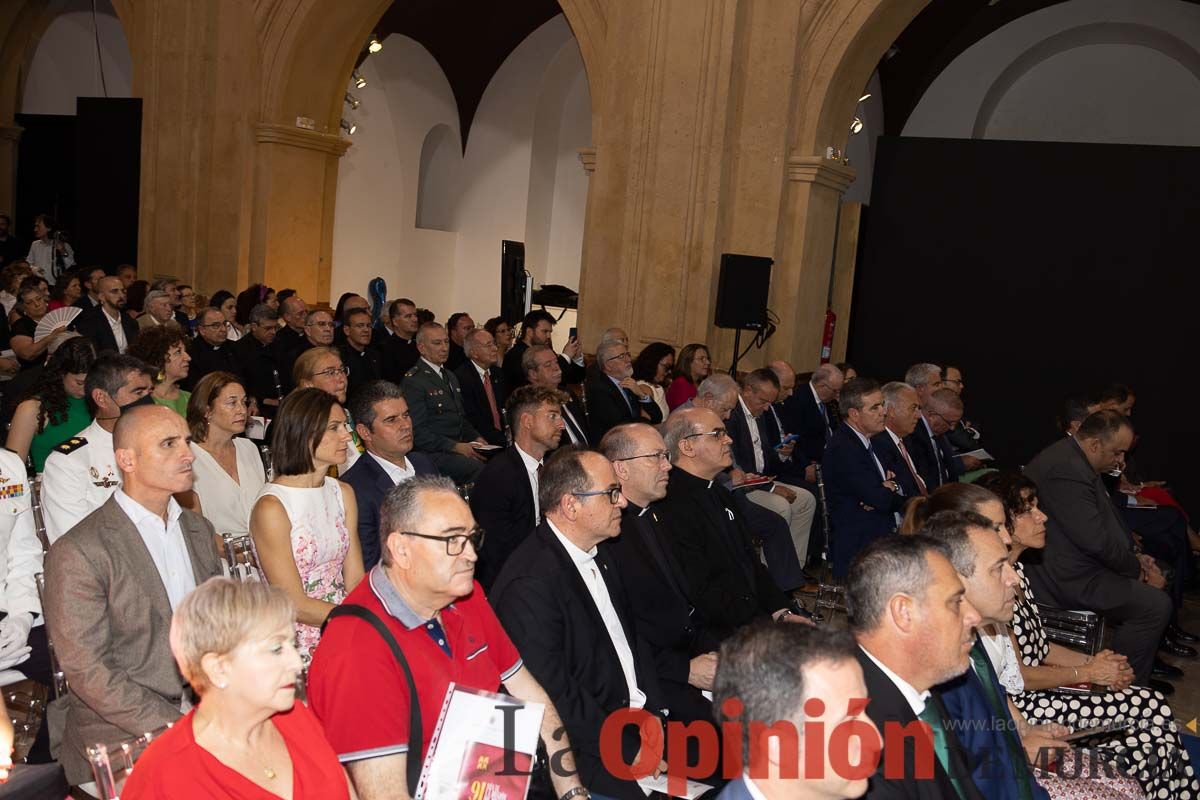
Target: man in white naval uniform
pixel 20 561
pixel 81 473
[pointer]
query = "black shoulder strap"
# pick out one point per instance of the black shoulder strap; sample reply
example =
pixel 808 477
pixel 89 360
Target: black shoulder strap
pixel 415 739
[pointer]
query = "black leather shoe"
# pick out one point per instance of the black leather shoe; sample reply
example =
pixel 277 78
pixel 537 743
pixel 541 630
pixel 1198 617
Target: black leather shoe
pixel 1176 649
pixel 1178 634
pixel 1162 687
pixel 1162 669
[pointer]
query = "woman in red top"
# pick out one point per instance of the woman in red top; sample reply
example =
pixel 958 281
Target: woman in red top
pixel 249 738
pixel 692 366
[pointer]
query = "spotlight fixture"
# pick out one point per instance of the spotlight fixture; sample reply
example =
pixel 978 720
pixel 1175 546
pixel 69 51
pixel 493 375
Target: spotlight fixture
pixel 891 53
pixel 856 126
pixel 349 127
pixel 864 97
pixel 374 45
pixel 352 101
pixel 359 81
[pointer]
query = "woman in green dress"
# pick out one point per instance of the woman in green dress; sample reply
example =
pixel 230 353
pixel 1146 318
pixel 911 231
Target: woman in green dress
pixel 164 348
pixel 54 409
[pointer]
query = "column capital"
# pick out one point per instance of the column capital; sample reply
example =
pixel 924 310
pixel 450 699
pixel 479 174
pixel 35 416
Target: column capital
pixel 822 171
pixel 11 133
pixel 272 133
pixel 587 157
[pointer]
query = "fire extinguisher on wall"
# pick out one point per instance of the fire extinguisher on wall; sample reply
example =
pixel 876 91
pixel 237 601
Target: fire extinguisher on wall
pixel 827 337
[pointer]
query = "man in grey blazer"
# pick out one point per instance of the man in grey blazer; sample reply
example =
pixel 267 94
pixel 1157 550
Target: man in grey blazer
pixel 111 584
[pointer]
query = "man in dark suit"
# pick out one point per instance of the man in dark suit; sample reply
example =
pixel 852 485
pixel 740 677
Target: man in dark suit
pixel 504 499
pixel 458 326
pixel 709 537
pixel 772 671
pixel 864 499
pixel 928 445
pixel 107 325
pixel 567 611
pixel 255 359
pixel 536 329
pixel 613 396
pixel 807 414
pixel 381 419
pixel 440 426
pixel 90 281
pixel 684 647
pixel 902 410
pixel 399 350
pixel 210 350
pixel 356 350
pixel 914 629
pixel 484 390
pixel 543 368
pixel 291 340
pixel 1091 561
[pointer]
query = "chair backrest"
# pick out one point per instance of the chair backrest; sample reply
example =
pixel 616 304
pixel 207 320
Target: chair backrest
pixel 111 776
pixel 39 516
pixel 240 557
pixel 56 671
pixel 1080 630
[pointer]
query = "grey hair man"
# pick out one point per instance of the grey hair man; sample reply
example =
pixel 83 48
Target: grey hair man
pixel 925 378
pixel 158 310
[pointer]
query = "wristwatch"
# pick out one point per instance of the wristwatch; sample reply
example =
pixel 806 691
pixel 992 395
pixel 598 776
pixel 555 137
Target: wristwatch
pixel 578 791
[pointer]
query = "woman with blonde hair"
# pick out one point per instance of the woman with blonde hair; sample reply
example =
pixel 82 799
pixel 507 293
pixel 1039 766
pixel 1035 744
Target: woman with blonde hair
pixel 250 737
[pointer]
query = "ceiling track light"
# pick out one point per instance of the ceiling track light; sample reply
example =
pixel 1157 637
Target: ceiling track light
pixel 353 101
pixel 359 81
pixel 864 97
pixel 856 126
pixel 374 45
pixel 348 127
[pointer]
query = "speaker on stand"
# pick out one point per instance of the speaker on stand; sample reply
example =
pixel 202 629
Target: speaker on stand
pixel 742 289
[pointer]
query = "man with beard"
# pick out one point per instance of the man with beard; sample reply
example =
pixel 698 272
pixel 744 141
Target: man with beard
pixel 613 396
pixel 536 329
pixel 81 473
pixel 112 583
pixel 107 324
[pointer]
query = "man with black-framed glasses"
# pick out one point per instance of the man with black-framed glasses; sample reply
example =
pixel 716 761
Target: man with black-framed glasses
pixel 613 396
pixel 210 350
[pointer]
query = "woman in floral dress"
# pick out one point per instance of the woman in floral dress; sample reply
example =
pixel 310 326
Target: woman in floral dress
pixel 304 523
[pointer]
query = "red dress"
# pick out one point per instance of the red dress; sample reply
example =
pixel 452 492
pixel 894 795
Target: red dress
pixel 174 767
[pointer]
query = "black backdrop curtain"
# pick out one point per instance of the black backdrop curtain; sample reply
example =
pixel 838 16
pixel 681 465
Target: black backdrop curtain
pixel 1043 270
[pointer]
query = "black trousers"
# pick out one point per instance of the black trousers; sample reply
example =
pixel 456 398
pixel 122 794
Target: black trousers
pixel 1164 536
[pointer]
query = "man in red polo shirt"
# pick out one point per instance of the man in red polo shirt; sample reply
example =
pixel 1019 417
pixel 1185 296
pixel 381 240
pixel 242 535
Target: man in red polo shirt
pixel 424 591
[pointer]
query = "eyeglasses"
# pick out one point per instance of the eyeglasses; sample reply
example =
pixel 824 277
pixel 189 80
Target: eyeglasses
pixel 332 372
pixel 613 492
pixel 213 325
pixel 622 357
pixel 455 543
pixel 716 433
pixel 662 456
pixel 319 324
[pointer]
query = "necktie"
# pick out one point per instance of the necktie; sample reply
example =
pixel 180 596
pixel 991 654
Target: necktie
pixel 825 416
pixel 911 468
pixel 628 402
pixel 983 670
pixel 941 749
pixel 574 432
pixel 491 396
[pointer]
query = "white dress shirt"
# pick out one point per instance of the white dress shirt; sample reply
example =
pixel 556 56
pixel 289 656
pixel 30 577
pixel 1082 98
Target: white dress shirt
pixel 755 436
pixel 397 473
pixel 118 330
pixel 437 370
pixel 916 700
pixel 531 467
pixel 585 562
pixel 165 542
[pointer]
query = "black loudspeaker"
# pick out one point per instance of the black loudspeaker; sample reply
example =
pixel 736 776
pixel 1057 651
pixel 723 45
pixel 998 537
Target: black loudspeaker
pixel 742 291
pixel 514 280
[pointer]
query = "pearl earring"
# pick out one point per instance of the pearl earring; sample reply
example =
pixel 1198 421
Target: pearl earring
pixel 222 685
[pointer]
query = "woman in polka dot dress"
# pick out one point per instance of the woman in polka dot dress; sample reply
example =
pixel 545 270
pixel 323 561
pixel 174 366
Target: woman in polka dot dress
pixel 1150 749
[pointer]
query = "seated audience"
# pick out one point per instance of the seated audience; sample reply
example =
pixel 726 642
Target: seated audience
pixel 544 370
pixel 304 523
pixel 423 594
pixel 255 360
pixel 67 291
pixel 234 644
pixel 226 303
pixel 158 310
pixel 55 409
pixel 291 340
pixel 136 293
pixel 652 369
pixel 112 584
pixel 692 366
pixel 502 332
pixel 901 412
pixel 718 393
pixel 187 311
pixel 319 328
pixel 536 329
pixel 108 325
pixel 773 671
pixel 385 428
pixel 169 285
pixel 321 368
pixel 568 614
pixel 128 274
pixel 359 356
pixel 807 414
pixel 504 499
pixel 400 349
pixel 10 280
pixel 1091 561
pixel 163 349
pixel 1161 763
pixel 440 426
pixel 484 389
pixel 864 498
pixel 908 611
pixel 228 468
pixel 965 437
pixel 32 307
pixel 90 298
pixel 458 326
pixel 960 497
pixel 211 351
pixel 613 397
pixel 683 645
pixel 710 540
pixel 254 295
pixel 81 473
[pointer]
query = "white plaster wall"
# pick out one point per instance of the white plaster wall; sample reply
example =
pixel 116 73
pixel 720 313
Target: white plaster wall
pixel 860 148
pixel 519 178
pixel 1117 71
pixel 65 65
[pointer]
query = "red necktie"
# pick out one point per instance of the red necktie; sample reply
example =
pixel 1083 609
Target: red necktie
pixel 491 396
pixel 911 468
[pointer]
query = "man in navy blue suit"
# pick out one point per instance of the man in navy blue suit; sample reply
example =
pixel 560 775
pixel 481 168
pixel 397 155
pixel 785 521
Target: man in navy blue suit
pixel 931 451
pixel 807 414
pixel 772 671
pixel 902 410
pixel 380 414
pixel 863 495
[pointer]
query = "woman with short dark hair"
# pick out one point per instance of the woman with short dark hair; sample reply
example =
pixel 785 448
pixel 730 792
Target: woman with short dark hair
pixel 304 523
pixel 164 348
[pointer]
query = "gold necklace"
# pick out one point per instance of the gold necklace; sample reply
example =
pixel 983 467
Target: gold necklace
pixel 267 769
